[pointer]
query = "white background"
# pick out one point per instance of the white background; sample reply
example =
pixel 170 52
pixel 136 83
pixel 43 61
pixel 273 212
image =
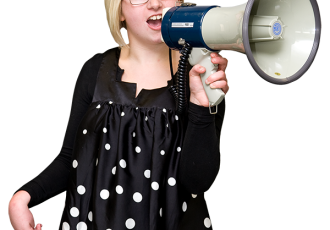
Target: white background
pixel 275 150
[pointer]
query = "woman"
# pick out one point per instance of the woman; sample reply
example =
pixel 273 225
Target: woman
pixel 129 161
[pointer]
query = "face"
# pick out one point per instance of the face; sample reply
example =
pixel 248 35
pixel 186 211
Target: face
pixel 143 22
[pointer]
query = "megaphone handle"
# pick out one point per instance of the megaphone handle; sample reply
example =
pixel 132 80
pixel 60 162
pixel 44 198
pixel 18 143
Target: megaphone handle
pixel 215 96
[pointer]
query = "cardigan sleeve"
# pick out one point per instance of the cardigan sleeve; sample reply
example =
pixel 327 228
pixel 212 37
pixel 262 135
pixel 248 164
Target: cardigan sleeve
pixel 53 179
pixel 200 157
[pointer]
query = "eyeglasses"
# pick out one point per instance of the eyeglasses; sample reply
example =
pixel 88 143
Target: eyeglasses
pixel 140 2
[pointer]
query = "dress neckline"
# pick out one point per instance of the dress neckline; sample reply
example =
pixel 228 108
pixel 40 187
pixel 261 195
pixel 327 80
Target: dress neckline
pixel 119 74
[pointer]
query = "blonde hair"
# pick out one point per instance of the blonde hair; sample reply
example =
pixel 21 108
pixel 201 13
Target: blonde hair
pixel 113 10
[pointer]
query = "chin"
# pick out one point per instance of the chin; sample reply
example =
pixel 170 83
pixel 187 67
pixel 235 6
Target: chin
pixel 157 40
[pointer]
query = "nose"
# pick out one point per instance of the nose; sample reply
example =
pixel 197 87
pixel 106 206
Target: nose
pixel 154 4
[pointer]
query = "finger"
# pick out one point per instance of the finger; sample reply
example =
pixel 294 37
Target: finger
pixel 220 75
pixel 220 85
pixel 225 89
pixel 221 61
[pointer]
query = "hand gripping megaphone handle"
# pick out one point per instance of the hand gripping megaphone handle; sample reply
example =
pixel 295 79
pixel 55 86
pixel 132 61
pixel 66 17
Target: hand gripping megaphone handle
pixel 202 57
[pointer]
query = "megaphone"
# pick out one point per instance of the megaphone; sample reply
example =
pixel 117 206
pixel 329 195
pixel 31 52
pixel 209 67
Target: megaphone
pixel 279 37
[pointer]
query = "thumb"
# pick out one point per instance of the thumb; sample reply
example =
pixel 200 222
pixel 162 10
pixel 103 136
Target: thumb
pixel 196 71
pixel 38 227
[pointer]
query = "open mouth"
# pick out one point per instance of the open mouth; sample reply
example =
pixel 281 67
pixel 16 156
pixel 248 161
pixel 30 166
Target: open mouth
pixel 155 21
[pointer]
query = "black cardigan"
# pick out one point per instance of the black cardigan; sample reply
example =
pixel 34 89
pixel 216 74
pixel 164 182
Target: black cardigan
pixel 200 156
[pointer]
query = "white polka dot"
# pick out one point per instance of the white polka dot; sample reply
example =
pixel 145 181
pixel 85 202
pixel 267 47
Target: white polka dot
pixel 105 130
pixel 171 181
pixel 110 102
pixel 107 146
pixel 137 108
pixel 130 223
pixel 162 152
pixel 176 117
pixel 104 194
pixel 75 164
pixel 155 185
pixel 99 106
pixel 90 216
pixel 160 212
pixel 81 189
pixel 97 161
pixel 137 197
pixel 178 149
pixel 194 195
pixel 146 118
pixel 147 173
pixel 84 131
pixel 74 212
pixel 114 170
pixel 164 110
pixel 167 125
pixel 81 226
pixel 119 189
pixel 184 206
pixel 133 134
pixel 122 114
pixel 65 226
pixel 122 163
pixel 137 149
pixel 207 222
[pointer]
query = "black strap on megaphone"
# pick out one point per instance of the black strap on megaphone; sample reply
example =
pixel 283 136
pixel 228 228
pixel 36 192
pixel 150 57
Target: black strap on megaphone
pixel 178 89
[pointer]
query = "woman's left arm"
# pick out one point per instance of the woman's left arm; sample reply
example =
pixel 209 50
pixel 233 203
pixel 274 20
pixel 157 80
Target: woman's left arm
pixel 200 157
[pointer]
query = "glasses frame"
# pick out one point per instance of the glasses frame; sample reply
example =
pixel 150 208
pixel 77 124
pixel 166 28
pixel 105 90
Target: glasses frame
pixel 177 3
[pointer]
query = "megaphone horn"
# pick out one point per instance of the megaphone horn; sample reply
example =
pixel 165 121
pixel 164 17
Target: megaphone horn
pixel 292 55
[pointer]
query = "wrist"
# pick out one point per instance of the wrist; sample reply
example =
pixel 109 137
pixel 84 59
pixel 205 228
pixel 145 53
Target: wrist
pixel 199 99
pixel 22 197
pixel 194 100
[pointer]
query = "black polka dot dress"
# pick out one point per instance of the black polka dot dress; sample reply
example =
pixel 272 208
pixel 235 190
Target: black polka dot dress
pixel 125 161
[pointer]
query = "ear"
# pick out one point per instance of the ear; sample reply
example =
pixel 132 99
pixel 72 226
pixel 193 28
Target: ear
pixel 122 18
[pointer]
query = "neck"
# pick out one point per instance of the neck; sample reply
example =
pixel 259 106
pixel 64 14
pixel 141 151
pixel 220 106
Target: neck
pixel 142 54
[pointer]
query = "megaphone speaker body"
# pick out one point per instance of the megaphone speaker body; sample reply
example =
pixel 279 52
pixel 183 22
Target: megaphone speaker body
pixel 279 37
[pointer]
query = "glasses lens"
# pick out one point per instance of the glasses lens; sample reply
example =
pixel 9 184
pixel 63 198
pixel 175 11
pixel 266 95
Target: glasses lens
pixel 138 2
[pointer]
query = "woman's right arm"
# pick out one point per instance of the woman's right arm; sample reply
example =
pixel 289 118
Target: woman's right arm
pixel 53 180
